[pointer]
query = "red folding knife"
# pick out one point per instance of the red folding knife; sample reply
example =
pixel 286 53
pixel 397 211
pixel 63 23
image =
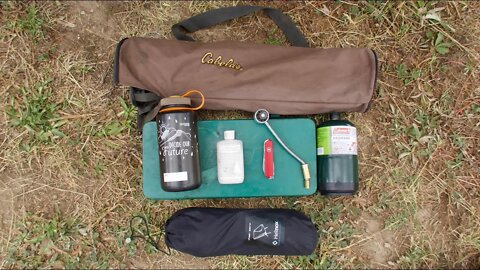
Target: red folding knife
pixel 268 165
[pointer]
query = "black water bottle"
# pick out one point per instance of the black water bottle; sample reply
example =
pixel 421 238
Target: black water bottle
pixel 178 145
pixel 337 162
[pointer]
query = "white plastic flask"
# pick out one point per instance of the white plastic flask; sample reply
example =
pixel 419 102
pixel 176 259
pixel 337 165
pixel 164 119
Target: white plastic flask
pixel 230 159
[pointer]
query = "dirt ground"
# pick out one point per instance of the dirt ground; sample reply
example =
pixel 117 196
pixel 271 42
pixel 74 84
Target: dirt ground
pixel 70 156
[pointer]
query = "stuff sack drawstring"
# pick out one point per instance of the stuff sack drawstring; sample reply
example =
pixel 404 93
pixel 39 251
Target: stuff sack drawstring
pixel 146 237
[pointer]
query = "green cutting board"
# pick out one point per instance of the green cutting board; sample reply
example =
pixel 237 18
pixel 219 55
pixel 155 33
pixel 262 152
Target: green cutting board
pixel 298 134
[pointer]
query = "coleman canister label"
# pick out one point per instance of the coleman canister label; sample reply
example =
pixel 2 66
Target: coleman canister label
pixel 336 140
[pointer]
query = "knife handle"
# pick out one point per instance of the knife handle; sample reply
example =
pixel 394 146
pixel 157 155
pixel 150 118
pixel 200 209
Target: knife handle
pixel 268 162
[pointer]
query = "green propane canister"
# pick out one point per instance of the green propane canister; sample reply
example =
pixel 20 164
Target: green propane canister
pixel 337 162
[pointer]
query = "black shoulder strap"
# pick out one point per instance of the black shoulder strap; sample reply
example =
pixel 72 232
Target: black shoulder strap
pixel 145 101
pixel 217 16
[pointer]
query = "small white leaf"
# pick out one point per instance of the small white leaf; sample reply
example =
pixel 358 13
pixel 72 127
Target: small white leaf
pixel 83 231
pixel 392 108
pixel 70 24
pixel 404 154
pixel 433 16
pixel 325 10
pixel 424 139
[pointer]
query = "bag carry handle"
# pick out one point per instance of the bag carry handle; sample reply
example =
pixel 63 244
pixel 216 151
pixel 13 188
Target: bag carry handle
pixel 217 16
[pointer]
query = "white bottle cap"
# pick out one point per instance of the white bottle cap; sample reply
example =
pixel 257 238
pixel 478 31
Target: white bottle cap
pixel 229 134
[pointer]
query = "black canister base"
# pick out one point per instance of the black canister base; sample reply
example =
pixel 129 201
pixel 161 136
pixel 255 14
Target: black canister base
pixel 338 189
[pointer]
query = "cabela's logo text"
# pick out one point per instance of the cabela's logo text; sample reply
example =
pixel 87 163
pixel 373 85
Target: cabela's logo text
pixel 230 63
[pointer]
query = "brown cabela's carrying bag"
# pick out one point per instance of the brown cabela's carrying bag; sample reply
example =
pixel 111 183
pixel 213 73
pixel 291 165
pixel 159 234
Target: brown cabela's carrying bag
pixel 245 76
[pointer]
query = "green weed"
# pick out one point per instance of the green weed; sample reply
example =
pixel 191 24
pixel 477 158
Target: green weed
pixel 470 68
pixel 419 142
pixel 126 122
pixel 404 29
pixel 334 234
pixel 354 10
pixel 343 235
pixel 39 241
pixel 6 6
pixel 441 47
pixel 474 109
pixel 110 129
pixel 313 261
pixel 457 140
pixel 423 137
pixel 397 127
pixel 329 213
pixel 63 242
pixel 471 239
pixel 437 42
pixel 425 5
pixel 445 102
pixel 238 262
pixel 128 114
pixel 456 163
pixel 400 218
pixel 377 9
pixel 31 23
pixel 99 168
pixel 272 39
pixel 45 55
pixel 413 258
pixel 407 76
pixel 427 121
pixel 84 69
pixel 427 12
pixel 37 114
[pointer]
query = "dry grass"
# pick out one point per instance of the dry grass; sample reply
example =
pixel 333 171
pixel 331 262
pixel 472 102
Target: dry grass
pixel 70 159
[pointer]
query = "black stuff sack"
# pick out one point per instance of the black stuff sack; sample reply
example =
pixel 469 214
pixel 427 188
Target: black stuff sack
pixel 206 232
